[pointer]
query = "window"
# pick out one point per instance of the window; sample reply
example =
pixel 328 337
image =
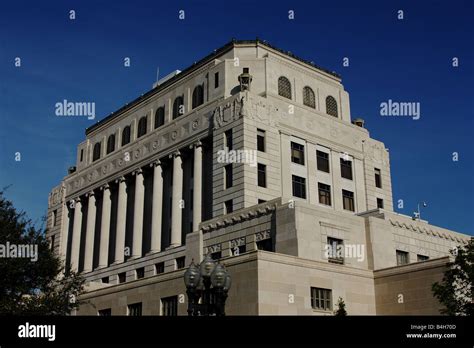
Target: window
pixel 198 96
pixel 180 262
pixel 216 80
pixel 308 97
pixel 96 154
pixel 229 207
pixel 228 139
pixel 262 175
pixel 135 310
pixel 160 117
pixel 178 107
pixel 126 135
pixel 378 178
pixel 299 187
pixel 54 217
pixel 105 280
pixel 348 200
pixel 122 277
pixel 216 255
pixel 82 154
pixel 284 87
pixel 141 127
pixel 260 201
pixel 169 306
pixel 324 192
pixel 321 299
pixel 265 245
pixel 260 140
pixel 402 258
pixel 380 203
pixel 111 143
pixel 297 153
pixel 107 312
pixel 228 176
pixel 140 272
pixel 335 251
pixel 346 169
pixel 421 258
pixel 160 268
pixel 53 238
pixel 322 159
pixel 237 250
pixel 331 106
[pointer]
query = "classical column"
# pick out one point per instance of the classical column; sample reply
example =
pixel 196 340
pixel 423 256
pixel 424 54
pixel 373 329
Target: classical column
pixel 138 213
pixel 76 234
pixel 105 227
pixel 157 207
pixel 176 201
pixel 197 186
pixel 90 229
pixel 121 219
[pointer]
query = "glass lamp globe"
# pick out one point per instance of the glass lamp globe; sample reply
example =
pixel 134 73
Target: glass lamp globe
pixel 207 266
pixel 192 276
pixel 218 277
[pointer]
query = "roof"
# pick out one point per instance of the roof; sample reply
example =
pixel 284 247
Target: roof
pixel 228 46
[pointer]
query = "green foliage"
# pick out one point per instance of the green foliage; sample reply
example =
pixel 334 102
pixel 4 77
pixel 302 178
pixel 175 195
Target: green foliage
pixel 455 291
pixel 30 287
pixel 341 308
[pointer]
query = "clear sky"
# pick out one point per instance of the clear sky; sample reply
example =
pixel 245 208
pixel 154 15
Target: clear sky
pixel 406 60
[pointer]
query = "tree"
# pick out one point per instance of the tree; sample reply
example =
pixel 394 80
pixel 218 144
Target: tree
pixel 33 280
pixel 455 291
pixel 341 308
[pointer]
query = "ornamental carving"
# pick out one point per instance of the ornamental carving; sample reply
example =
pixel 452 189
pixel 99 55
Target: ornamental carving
pixel 227 113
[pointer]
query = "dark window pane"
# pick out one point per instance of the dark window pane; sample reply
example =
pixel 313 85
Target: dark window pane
pixel 322 159
pixel 297 153
pixel 160 117
pixel 348 200
pixel 324 194
pixel 262 175
pixel 346 169
pixel 299 187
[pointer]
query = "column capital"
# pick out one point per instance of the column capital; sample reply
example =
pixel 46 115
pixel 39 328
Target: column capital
pixel 155 163
pixel 121 179
pixel 105 187
pixel 137 171
pixel 90 193
pixel 78 199
pixel 175 154
pixel 196 144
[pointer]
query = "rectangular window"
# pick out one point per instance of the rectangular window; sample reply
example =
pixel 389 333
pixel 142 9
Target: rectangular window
pixel 53 238
pixel 380 203
pixel 169 306
pixel 299 187
pixel 421 258
pixel 216 80
pixel 348 200
pixel 135 310
pixel 297 153
pixel 82 155
pixel 229 206
pixel 180 262
pixel 140 272
pixel 346 169
pixel 122 277
pixel 321 299
pixel 54 217
pixel 336 250
pixel 237 250
pixel 266 245
pixel 378 178
pixel 261 201
pixel 324 193
pixel 402 258
pixel 228 139
pixel 107 312
pixel 322 159
pixel 216 255
pixel 160 268
pixel 105 280
pixel 228 176
pixel 262 175
pixel 260 140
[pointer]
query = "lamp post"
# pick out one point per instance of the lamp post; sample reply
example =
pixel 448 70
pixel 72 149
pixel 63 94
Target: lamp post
pixel 207 285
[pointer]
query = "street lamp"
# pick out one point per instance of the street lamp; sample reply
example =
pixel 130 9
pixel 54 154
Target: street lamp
pixel 207 285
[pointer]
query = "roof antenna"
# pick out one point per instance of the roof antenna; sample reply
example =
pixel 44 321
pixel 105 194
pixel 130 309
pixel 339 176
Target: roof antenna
pixel 157 74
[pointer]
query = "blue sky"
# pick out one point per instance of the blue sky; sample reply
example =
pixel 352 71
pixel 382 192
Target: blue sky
pixel 82 60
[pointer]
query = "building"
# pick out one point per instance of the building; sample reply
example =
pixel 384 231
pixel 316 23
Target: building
pixel 249 154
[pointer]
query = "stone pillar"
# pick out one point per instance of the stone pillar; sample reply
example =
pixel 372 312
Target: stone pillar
pixel 176 201
pixel 90 229
pixel 157 207
pixel 138 214
pixel 105 227
pixel 121 219
pixel 76 234
pixel 197 186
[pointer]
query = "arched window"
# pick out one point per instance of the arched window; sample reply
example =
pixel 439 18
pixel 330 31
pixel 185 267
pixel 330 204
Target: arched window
pixel 96 154
pixel 141 131
pixel 308 97
pixel 111 143
pixel 198 96
pixel 126 135
pixel 178 107
pixel 331 106
pixel 284 87
pixel 160 117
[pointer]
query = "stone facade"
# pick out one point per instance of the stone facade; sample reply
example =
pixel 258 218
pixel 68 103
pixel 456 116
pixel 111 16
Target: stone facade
pixel 133 212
